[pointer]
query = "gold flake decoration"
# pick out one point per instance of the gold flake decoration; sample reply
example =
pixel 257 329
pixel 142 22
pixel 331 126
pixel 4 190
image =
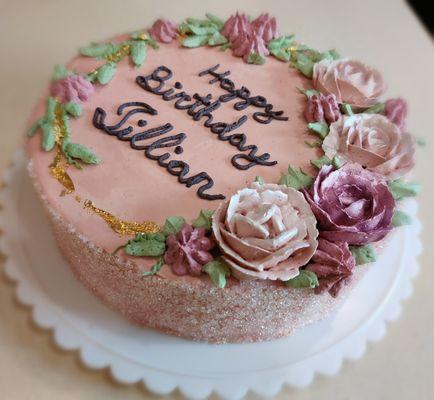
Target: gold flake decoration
pixel 122 227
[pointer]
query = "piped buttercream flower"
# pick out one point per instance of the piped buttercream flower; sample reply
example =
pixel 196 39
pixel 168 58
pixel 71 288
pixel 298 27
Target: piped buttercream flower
pixel 266 27
pixel 396 111
pixel 351 204
pixel 164 31
pixel 333 264
pixel 235 26
pixel 188 250
pixel 320 108
pixel 372 141
pixel 351 81
pixel 266 231
pixel 72 88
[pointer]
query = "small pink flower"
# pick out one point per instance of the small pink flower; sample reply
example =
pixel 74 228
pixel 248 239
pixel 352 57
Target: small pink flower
pixel 188 251
pixel 320 108
pixel 72 88
pixel 396 111
pixel 235 26
pixel 266 27
pixel 333 264
pixel 164 31
pixel 255 45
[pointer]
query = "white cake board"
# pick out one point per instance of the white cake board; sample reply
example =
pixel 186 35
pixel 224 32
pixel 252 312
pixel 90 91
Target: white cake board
pixel 105 339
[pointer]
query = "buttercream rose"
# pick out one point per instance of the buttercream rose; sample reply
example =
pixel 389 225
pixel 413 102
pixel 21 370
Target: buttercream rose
pixel 72 88
pixel 164 31
pixel 372 141
pixel 351 204
pixel 265 232
pixel 351 81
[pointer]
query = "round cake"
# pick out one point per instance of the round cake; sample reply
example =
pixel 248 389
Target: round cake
pixel 217 180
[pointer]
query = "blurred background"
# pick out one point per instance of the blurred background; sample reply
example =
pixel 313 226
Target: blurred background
pixel 392 35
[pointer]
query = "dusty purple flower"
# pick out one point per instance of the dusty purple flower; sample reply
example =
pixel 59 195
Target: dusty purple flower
pixel 72 88
pixel 266 27
pixel 351 204
pixel 235 26
pixel 188 250
pixel 164 31
pixel 332 264
pixel 320 108
pixel 396 111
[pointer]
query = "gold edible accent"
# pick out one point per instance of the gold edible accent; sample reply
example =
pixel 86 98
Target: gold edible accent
pixel 59 165
pixel 121 53
pixel 120 226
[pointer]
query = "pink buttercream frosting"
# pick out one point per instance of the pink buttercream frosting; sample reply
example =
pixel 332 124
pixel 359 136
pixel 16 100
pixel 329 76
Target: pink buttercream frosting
pixel 235 26
pixel 322 108
pixel 266 231
pixel 164 30
pixel 396 111
pixel 255 45
pixel 372 141
pixel 266 27
pixel 72 88
pixel 188 250
pixel 351 81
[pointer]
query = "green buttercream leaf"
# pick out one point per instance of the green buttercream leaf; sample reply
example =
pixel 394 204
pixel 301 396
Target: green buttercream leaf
pixel 225 46
pixel 36 125
pixel 255 58
pixel 421 142
pixel 348 110
pixel 155 268
pixel 218 271
pixel 400 218
pixel 195 41
pixel 308 92
pixel 106 73
pixel 401 189
pixel 337 162
pixel 330 55
pixel 201 30
pixel 296 179
pixel 173 225
pixel 66 133
pixel 81 152
pixel 320 128
pixel 363 254
pixel 138 52
pixel 99 50
pixel 303 63
pixel 48 136
pixel 305 279
pixel 280 47
pixel 218 22
pixel 313 144
pixel 203 220
pixel 60 72
pixel 217 39
pixel 259 180
pixel 318 163
pixel 375 109
pixel 51 109
pixel 73 109
pixel 148 246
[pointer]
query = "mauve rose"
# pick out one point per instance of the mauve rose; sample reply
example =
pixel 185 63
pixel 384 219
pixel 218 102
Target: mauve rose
pixel 350 81
pixel 396 111
pixel 351 204
pixel 320 108
pixel 372 141
pixel 72 88
pixel 265 231
pixel 332 264
pixel 266 27
pixel 235 26
pixel 163 30
pixel 188 250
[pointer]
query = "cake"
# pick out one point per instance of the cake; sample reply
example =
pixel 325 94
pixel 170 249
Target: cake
pixel 218 180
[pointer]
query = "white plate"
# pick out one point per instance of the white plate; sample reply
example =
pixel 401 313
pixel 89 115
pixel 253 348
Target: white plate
pixel 104 339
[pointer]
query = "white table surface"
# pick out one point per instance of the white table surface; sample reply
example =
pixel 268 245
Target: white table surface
pixel 35 35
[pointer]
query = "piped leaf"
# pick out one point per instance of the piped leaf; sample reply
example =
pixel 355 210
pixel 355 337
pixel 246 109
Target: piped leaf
pixel 281 47
pixel 305 279
pixel 375 109
pixel 81 152
pixel 98 50
pixel 173 225
pixel 401 189
pixel 73 109
pixel 260 180
pixel 60 72
pixel 146 245
pixel 320 162
pixel 363 254
pixel 319 128
pixel 155 268
pixel 255 58
pixel 203 220
pixel 138 52
pixel 347 109
pixel 218 271
pixel 195 41
pixel 400 218
pixel 296 179
pixel 106 73
pixel 48 136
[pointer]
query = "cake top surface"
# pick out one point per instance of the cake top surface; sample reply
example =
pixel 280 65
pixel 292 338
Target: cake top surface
pixel 185 132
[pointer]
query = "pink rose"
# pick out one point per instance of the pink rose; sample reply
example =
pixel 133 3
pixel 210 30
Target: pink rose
pixel 72 88
pixel 332 264
pixel 188 251
pixel 320 108
pixel 266 27
pixel 235 26
pixel 396 111
pixel 351 204
pixel 372 141
pixel 265 232
pixel 350 81
pixel 164 31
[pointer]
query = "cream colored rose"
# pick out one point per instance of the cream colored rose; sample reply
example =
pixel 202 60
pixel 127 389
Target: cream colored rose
pixel 265 232
pixel 351 81
pixel 372 141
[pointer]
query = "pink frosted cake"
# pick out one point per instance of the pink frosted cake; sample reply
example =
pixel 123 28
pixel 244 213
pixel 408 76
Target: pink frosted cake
pixel 218 180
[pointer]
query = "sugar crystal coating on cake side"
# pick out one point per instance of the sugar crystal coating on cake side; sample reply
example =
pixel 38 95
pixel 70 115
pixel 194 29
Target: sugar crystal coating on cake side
pixel 219 180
